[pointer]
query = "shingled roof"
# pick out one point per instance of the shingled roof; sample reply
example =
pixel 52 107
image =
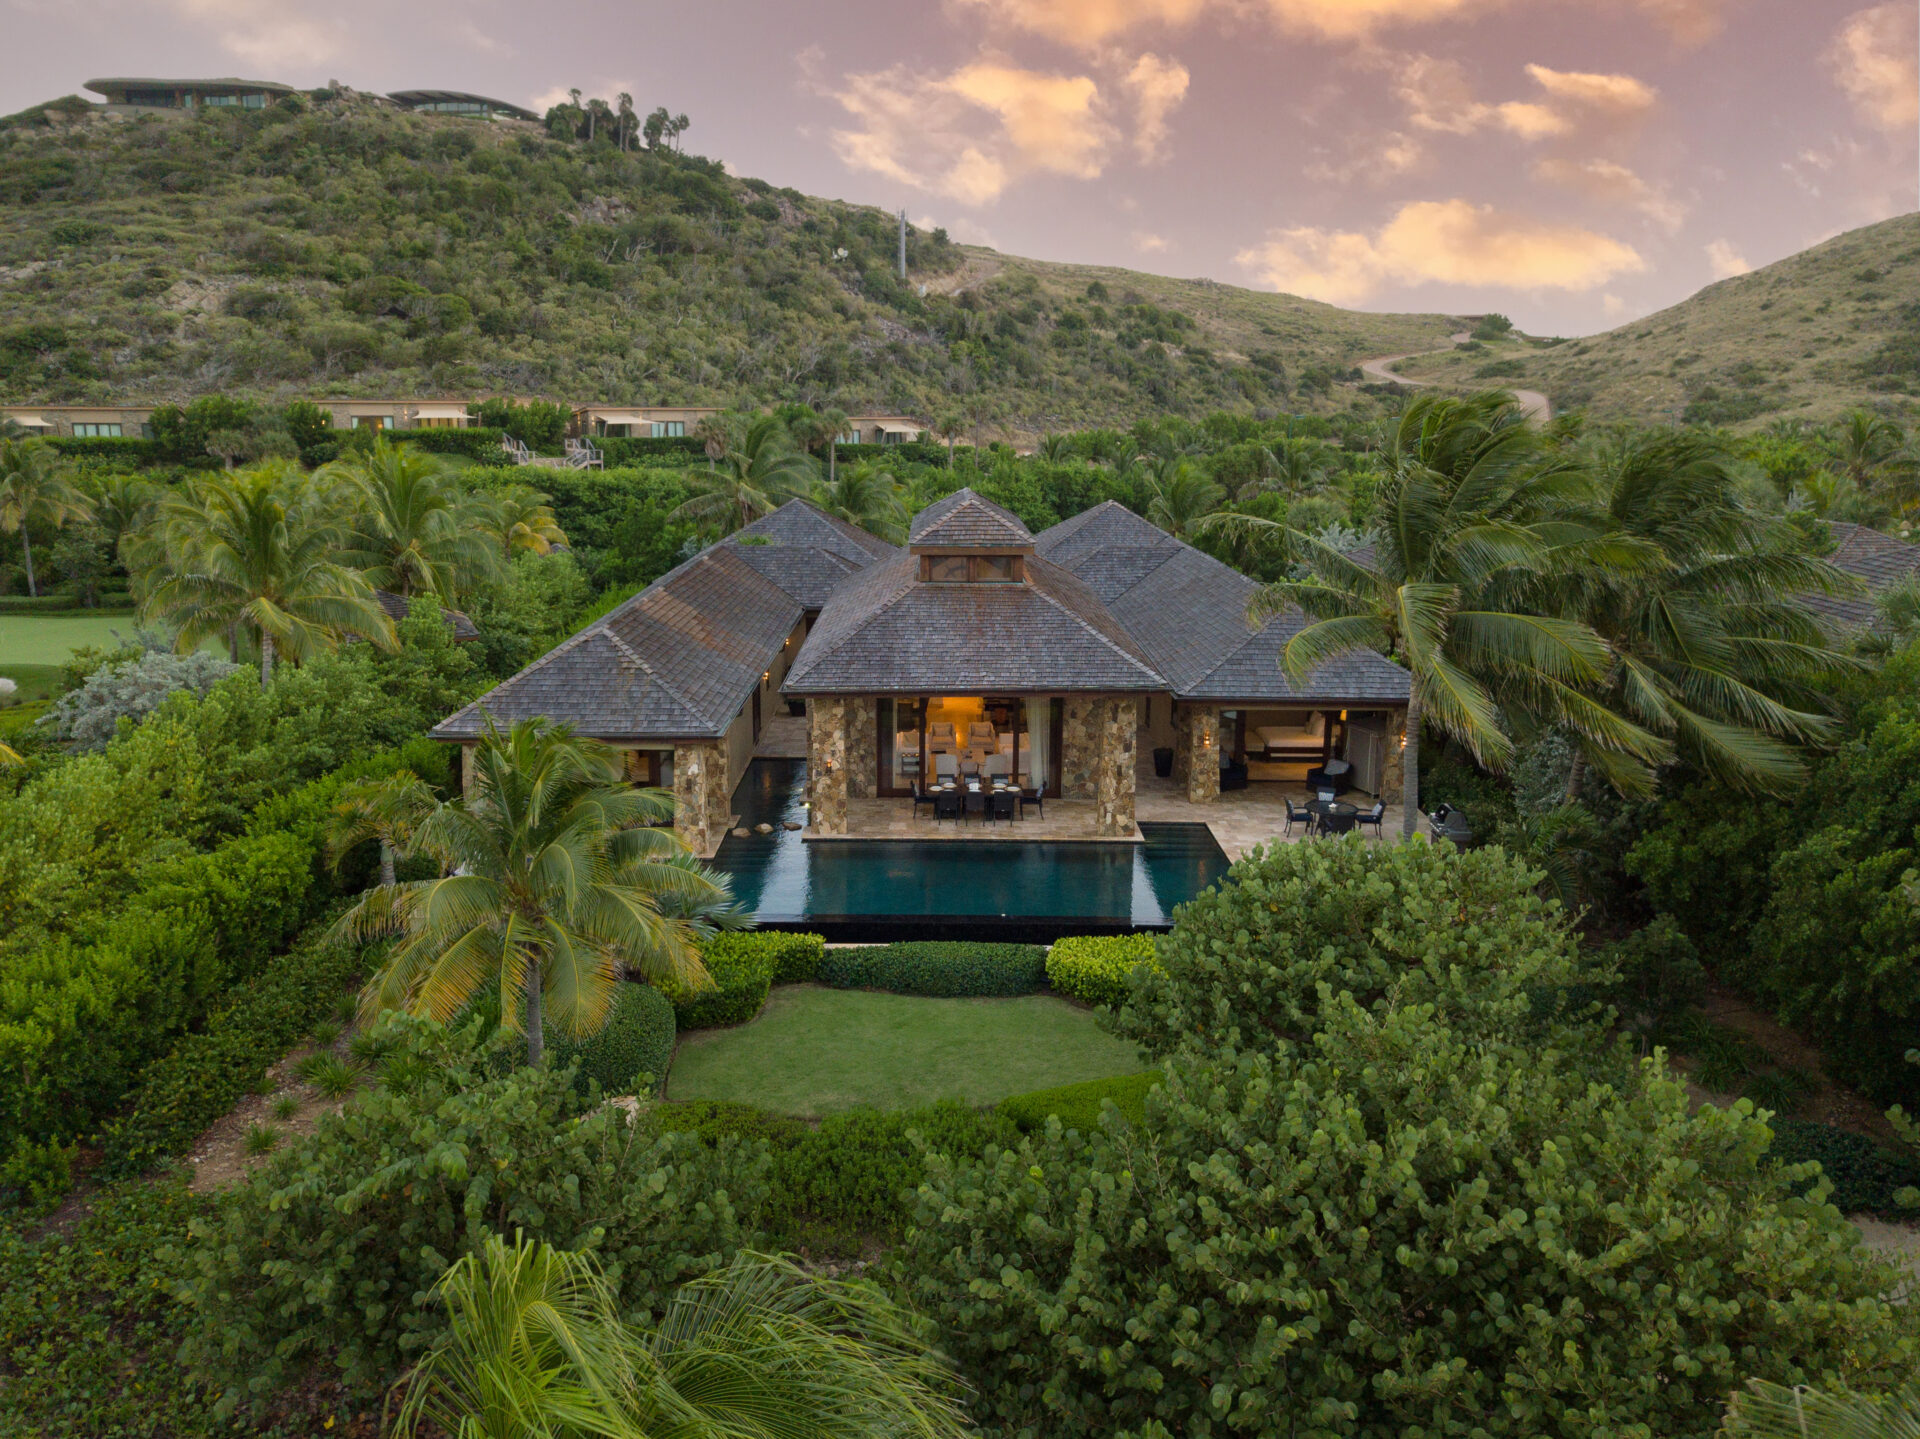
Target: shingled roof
pixel 890 631
pixel 966 520
pixel 1882 561
pixel 1188 614
pixel 398 607
pixel 679 659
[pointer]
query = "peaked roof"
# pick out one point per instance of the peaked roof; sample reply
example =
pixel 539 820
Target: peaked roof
pixel 1188 614
pixel 1880 560
pixel 966 519
pixel 890 631
pixel 679 659
pixel 398 607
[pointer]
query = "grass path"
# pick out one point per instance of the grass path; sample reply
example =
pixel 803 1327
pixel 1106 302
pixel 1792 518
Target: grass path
pixel 49 639
pixel 816 1051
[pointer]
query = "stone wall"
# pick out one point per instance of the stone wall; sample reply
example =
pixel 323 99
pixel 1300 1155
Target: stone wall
pixel 1200 737
pixel 1079 745
pixel 863 748
pixel 827 765
pixel 702 794
pixel 1393 771
pixel 1182 743
pixel 1116 765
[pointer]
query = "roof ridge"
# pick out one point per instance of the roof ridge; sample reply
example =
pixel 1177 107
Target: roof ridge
pixel 634 657
pixel 1094 630
pixel 901 591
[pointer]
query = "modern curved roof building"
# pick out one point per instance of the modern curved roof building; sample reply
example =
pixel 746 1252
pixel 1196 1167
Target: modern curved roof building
pixel 132 93
pixel 458 102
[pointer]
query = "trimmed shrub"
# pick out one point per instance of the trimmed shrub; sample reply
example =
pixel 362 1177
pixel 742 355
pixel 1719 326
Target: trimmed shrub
pixel 1867 1177
pixel 939 969
pixel 205 1074
pixel 638 1040
pixel 1079 1106
pixel 796 957
pixel 1098 968
pixel 744 967
pixel 316 1259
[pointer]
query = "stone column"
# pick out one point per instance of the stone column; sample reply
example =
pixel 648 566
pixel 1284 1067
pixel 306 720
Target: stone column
pixel 827 766
pixel 702 798
pixel 466 767
pixel 1201 739
pixel 1080 726
pixel 1393 771
pixel 1115 767
pixel 1182 744
pixel 863 748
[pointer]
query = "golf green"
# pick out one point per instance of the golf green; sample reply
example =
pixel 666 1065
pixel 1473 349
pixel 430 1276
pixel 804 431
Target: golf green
pixel 815 1051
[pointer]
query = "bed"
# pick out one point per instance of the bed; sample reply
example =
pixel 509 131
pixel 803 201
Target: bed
pixel 1307 740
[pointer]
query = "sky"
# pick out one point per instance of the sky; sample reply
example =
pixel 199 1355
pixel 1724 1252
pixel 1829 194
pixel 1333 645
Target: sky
pixel 1574 164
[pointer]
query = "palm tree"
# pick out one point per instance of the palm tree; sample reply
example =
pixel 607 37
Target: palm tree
pixel 34 490
pixel 867 496
pixel 715 435
pixel 755 476
pixel 1871 451
pixel 407 521
pixel 1464 505
pixel 1772 1411
pixel 516 518
pixel 1055 449
pixel 1298 467
pixel 627 117
pixel 1710 647
pixel 552 877
pixel 950 427
pixel 390 810
pixel 535 1346
pixel 254 550
pixel 1180 497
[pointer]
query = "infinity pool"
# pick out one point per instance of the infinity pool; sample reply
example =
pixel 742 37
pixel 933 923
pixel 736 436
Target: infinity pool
pixel 858 888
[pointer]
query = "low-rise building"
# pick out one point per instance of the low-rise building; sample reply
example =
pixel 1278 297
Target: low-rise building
pixel 459 102
pixel 132 96
pixel 82 421
pixel 640 422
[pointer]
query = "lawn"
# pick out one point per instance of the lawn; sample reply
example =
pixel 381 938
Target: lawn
pixel 49 639
pixel 816 1051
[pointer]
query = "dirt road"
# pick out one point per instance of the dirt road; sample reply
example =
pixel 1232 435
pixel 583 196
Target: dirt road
pixel 1536 405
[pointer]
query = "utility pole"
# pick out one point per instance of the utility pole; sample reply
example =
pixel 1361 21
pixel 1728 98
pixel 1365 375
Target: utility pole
pixel 903 244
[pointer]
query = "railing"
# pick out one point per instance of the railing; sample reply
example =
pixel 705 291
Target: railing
pixel 584 455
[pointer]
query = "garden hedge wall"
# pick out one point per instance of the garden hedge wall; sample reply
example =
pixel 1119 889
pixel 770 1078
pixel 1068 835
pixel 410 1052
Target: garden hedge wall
pixel 744 968
pixel 1079 1106
pixel 638 1040
pixel 1098 968
pixel 939 969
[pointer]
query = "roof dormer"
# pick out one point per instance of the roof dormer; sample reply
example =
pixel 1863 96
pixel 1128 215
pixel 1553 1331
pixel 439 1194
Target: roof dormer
pixel 965 539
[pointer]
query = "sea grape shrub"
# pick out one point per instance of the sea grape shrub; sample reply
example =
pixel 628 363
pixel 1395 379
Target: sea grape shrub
pixel 1252 962
pixel 1392 1231
pixel 1098 968
pixel 327 1255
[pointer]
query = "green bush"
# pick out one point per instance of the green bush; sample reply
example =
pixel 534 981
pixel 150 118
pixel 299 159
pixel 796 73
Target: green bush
pixel 939 969
pixel 205 1073
pixel 1866 1177
pixel 317 1260
pixel 1098 968
pixel 1249 962
pixel 744 967
pixel 1660 974
pixel 1079 1106
pixel 1392 1229
pixel 638 1040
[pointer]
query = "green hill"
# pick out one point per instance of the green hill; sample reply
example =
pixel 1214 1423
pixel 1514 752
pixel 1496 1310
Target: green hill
pixel 1822 332
pixel 338 245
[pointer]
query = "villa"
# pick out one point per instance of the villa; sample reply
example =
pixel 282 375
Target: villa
pixel 1041 669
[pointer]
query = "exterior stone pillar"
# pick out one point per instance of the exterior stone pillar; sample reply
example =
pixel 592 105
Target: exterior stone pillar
pixel 1182 743
pixel 702 798
pixel 466 767
pixel 1200 736
pixel 1116 764
pixel 863 748
pixel 1393 768
pixel 827 766
pixel 1080 731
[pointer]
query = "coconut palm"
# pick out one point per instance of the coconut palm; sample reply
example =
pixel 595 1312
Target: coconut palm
pixel 515 518
pixel 1055 449
pixel 950 427
pixel 407 531
pixel 1711 649
pixel 535 1346
pixel 552 877
pixel 825 427
pixel 1871 451
pixel 867 496
pixel 9 755
pixel 1180 496
pixel 1772 1411
pixel 1467 502
pixel 35 490
pixel 390 810
pixel 758 473
pixel 254 550
pixel 1297 467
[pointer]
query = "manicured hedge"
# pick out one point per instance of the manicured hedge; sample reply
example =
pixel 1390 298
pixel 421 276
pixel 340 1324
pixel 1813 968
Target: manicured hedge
pixel 62 604
pixel 941 969
pixel 638 1040
pixel 620 450
pixel 1867 1177
pixel 205 1074
pixel 1080 1105
pixel 744 968
pixel 1097 968
pixel 129 449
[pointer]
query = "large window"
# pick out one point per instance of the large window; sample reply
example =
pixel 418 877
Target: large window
pixel 972 569
pixel 669 429
pixel 928 738
pixel 89 431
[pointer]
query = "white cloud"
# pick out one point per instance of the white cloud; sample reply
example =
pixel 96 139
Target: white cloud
pixel 1148 243
pixel 267 33
pixel 1451 242
pixel 972 133
pixel 1374 159
pixel 1158 88
pixel 1874 59
pixel 1440 97
pixel 1613 307
pixel 1620 93
pixel 1725 261
pixel 1611 183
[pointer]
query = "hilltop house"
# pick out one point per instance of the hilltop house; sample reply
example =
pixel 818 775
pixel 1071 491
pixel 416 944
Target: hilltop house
pixel 1052 660
pixel 142 97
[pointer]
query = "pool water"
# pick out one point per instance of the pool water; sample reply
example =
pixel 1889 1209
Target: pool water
pixel 856 888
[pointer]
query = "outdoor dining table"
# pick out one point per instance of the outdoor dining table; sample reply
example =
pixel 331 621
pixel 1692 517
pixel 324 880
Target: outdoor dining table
pixel 1325 809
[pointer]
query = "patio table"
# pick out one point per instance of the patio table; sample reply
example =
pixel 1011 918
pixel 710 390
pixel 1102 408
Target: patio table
pixel 1323 810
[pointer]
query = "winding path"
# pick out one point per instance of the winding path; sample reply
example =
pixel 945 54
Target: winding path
pixel 1535 404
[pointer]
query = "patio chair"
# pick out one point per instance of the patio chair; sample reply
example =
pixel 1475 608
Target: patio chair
pixel 1335 774
pixel 976 802
pixel 1003 804
pixel 1373 817
pixel 1302 815
pixel 921 797
pixel 999 764
pixel 946 766
pixel 1036 798
pixel 946 805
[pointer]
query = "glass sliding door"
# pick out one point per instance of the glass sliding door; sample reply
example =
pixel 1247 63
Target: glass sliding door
pixel 903 744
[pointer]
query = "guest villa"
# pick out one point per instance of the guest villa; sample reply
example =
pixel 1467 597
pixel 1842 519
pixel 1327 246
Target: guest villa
pixel 980 672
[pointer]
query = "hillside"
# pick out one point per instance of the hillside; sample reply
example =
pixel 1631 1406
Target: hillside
pixel 338 245
pixel 1822 332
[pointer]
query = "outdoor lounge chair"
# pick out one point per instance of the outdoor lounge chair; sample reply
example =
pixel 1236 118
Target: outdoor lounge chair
pixel 1335 774
pixel 1373 817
